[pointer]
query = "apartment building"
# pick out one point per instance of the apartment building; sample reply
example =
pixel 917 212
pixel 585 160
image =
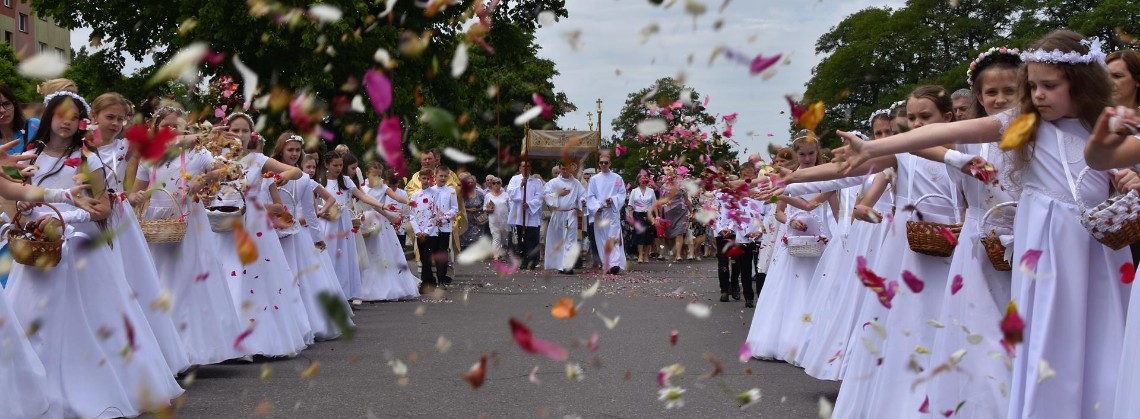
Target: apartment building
pixel 28 33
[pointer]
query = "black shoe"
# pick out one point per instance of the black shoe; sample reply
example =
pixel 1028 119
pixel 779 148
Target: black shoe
pixel 446 280
pixel 749 304
pixel 566 271
pixel 736 293
pixel 614 270
pixel 724 297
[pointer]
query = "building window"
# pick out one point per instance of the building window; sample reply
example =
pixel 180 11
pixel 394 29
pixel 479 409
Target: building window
pixel 23 23
pixel 8 37
pixel 8 3
pixel 43 47
pixel 59 52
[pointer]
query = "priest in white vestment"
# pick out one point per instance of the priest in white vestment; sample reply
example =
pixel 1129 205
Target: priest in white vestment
pixel 563 194
pixel 605 197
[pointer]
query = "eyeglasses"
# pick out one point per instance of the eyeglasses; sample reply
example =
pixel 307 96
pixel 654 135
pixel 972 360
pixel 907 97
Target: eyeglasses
pixel 603 162
pixel 7 105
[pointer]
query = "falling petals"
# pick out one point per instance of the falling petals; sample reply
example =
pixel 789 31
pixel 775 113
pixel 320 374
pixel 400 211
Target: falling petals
pixel 459 61
pixel 526 340
pixel 184 65
pixel 590 292
pixel 478 251
pixel 477 374
pixel 390 144
pixel 1028 263
pixel 241 338
pixel 313 369
pixel 547 110
pixel 457 156
pixel 1044 371
pixel 249 81
pixel 699 310
pixel 1127 272
pixel 916 285
pixel 651 126
pixel 1018 132
pixel 761 63
pixel 563 309
pixel 530 114
pixel 610 323
pixel 325 13
pixel 246 247
pixel 45 65
pixel 1012 326
pixel 744 353
pixel 956 284
pixel 925 407
pixel 673 335
pixel 949 236
pixel 379 90
pixel 151 147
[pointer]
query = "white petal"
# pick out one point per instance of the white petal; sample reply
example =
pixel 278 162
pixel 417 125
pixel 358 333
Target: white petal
pixel 459 62
pixel 546 18
pixel 184 63
pixel 325 13
pixel 45 65
pixel 592 291
pixel 358 104
pixel 1044 371
pixel 651 126
pixel 825 408
pixel 530 114
pixel 480 250
pixel 383 57
pixel 387 8
pixel 572 256
pixel 458 156
pixel 249 80
pixel 699 310
pixel 687 97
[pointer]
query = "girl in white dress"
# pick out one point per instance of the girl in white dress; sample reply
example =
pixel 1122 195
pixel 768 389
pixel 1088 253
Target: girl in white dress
pixel 1071 300
pixel 338 232
pixel 100 356
pixel 110 112
pixel 388 276
pixel 976 295
pixel 498 207
pixel 778 324
pixel 315 275
pixel 201 306
pixel 264 291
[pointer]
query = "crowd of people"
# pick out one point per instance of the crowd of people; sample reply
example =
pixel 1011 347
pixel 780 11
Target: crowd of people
pixel 944 263
pixel 962 263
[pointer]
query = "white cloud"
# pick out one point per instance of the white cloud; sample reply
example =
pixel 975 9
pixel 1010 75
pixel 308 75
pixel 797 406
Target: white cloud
pixel 611 40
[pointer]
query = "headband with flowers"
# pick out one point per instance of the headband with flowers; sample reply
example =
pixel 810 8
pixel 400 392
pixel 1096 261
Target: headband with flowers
pixel 1056 56
pixel 241 115
pixel 886 112
pixel 995 50
pixel 49 98
pixel 296 138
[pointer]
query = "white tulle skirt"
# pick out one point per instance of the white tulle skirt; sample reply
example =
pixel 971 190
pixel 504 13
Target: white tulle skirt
pixel 98 353
pixel 131 248
pixel 265 294
pixel 341 241
pixel 388 276
pixel 24 390
pixel 313 279
pixel 200 305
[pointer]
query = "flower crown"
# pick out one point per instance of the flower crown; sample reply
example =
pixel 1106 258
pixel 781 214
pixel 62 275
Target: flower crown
pixel 241 115
pixel 995 50
pixel 73 95
pixel 296 138
pixel 169 110
pixel 1056 56
pixel 871 119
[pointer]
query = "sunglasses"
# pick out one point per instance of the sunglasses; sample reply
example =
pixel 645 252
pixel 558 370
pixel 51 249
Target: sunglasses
pixel 603 162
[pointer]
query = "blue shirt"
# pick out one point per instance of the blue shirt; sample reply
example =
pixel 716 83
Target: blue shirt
pixel 32 127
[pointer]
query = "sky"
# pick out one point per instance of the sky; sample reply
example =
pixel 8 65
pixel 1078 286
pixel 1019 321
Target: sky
pixel 611 41
pixel 611 60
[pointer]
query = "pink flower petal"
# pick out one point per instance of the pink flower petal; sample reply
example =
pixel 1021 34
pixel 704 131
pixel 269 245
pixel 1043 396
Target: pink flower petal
pixel 379 90
pixel 925 408
pixel 531 344
pixel 1127 272
pixel 1029 260
pixel 744 353
pixel 390 144
pixel 761 63
pixel 916 285
pixel 956 284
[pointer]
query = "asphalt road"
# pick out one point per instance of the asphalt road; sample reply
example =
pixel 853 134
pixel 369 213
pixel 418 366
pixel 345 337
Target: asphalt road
pixel 438 340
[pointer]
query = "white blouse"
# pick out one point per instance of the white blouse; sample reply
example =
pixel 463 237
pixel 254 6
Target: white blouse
pixel 641 200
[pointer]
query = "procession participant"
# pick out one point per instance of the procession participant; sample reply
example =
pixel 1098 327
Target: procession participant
pixel 447 204
pixel 563 196
pixel 525 192
pixel 605 196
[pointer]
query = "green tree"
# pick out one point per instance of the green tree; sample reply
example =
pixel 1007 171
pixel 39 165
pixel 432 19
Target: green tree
pixel 22 87
pixel 290 51
pixel 691 136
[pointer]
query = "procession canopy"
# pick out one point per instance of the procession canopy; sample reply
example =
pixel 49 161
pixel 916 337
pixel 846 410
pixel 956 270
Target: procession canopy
pixel 553 143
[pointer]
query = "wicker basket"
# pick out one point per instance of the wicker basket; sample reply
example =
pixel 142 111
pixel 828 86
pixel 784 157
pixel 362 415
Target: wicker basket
pixel 222 217
pixel 995 251
pixel 806 246
pixel 1115 222
pixel 166 230
pixel 43 254
pixel 926 237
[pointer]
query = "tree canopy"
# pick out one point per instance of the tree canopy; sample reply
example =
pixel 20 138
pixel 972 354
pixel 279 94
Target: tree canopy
pixel 876 56
pixel 298 52
pixel 691 137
